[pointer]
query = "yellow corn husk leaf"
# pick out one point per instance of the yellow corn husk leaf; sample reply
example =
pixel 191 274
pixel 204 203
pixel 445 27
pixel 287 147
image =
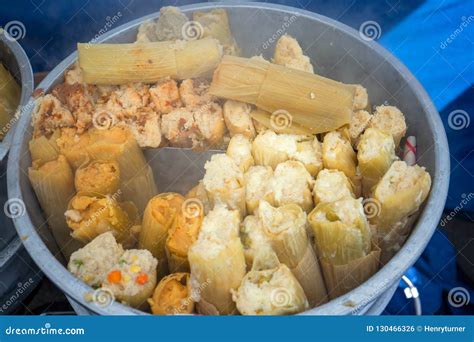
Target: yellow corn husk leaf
pixel 10 93
pixel 338 154
pixel 98 176
pixel 375 153
pixel 182 234
pixel 43 148
pixel 217 267
pixel 314 102
pixel 118 144
pixel 270 288
pixel 215 24
pixel 399 193
pixel 91 214
pixel 148 62
pixel 158 218
pixel 341 231
pixel 173 295
pixel 53 183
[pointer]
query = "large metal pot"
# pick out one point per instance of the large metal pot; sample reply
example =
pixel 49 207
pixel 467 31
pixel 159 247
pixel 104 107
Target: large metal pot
pixel 18 273
pixel 338 52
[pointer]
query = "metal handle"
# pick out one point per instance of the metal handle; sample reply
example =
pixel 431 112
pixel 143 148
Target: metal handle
pixel 411 292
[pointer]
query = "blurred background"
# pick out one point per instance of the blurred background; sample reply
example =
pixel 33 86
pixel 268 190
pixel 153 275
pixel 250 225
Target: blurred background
pixel 434 39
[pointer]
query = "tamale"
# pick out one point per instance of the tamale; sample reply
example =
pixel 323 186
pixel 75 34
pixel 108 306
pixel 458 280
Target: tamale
pixel 375 153
pixel 44 148
pixel 157 220
pixel 217 262
pixel 172 296
pixel 285 230
pixel 314 102
pixel 98 176
pixel 270 288
pixel 148 62
pixel 53 183
pixel 183 233
pixel 9 99
pixel 89 215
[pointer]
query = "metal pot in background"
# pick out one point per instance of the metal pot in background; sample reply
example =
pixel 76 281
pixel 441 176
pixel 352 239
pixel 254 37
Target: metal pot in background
pixel 339 53
pixel 19 275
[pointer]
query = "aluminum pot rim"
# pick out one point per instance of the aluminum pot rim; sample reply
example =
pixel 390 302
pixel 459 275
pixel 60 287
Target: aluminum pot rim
pixel 349 303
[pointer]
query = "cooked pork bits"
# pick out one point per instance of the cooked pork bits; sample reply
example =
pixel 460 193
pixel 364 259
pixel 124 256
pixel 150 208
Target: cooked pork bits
pixel 288 52
pixel 92 262
pixel 49 114
pixel 165 96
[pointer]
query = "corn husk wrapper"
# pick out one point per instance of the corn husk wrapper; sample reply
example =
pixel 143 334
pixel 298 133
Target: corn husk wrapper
pixel 53 183
pixel 285 229
pixel 10 93
pixel 172 296
pixel 314 102
pixel 253 238
pixel 343 239
pixel 215 24
pixel 216 274
pixel 375 154
pixel 183 233
pixel 256 180
pixel 117 143
pixel 338 153
pixel 44 149
pixel 341 279
pixel 217 262
pixel 398 199
pixel 158 218
pixel 74 147
pixel 330 186
pixel 270 288
pixel 98 176
pixel 90 214
pixel 392 242
pixel 112 64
